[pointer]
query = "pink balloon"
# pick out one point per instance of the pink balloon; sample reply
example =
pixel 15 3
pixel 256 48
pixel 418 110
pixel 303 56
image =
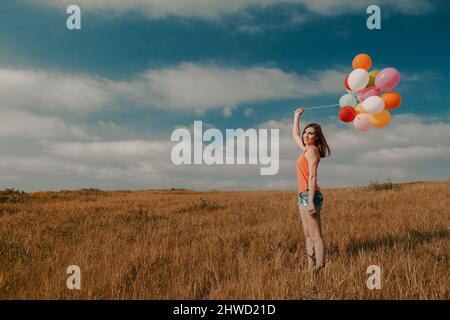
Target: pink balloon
pixel 367 92
pixel 387 79
pixel 362 122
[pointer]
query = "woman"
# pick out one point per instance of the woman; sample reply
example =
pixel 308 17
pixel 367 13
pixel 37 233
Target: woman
pixel 314 146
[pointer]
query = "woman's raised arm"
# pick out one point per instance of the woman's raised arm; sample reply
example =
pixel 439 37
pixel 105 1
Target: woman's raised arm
pixel 296 128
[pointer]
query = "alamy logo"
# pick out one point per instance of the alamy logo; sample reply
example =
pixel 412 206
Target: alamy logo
pixel 213 153
pixel 374 280
pixel 74 20
pixel 374 21
pixel 74 279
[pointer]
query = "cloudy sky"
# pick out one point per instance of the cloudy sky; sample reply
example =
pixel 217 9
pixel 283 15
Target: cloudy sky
pixel 96 107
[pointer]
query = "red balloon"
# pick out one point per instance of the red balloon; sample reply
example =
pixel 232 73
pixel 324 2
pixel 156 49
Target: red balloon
pixel 347 114
pixel 346 81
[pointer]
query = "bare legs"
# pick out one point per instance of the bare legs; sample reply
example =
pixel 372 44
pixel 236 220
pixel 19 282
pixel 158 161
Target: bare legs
pixel 312 229
pixel 311 253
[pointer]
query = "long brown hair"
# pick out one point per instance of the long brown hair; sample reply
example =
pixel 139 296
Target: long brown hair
pixel 321 142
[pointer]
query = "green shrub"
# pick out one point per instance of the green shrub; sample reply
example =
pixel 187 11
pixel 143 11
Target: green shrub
pixel 380 186
pixel 12 195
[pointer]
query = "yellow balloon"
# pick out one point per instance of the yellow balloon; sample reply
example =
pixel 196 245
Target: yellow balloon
pixel 372 76
pixel 381 119
pixel 359 109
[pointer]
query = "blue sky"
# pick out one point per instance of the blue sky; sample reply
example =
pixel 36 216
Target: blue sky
pixel 96 107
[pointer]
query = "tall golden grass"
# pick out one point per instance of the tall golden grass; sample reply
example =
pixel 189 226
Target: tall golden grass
pixel 180 244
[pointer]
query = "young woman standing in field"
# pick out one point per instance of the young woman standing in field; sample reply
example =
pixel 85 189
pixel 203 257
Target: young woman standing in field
pixel 314 146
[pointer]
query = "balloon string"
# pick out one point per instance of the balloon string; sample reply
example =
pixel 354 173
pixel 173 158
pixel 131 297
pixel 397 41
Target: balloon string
pixel 320 107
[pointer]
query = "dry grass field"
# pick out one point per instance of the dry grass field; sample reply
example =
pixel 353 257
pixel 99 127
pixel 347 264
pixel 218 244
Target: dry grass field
pixel 181 244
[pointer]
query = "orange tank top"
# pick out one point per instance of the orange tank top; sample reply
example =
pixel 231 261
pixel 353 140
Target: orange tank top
pixel 303 173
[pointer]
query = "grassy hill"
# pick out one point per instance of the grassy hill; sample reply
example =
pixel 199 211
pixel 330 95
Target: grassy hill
pixel 181 244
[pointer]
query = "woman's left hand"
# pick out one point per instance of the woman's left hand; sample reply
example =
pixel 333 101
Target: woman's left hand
pixel 299 111
pixel 311 210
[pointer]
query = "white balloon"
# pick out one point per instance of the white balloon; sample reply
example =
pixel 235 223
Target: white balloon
pixel 348 99
pixel 373 104
pixel 358 79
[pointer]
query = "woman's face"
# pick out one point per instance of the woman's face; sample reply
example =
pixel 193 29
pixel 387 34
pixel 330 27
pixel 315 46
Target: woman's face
pixel 309 136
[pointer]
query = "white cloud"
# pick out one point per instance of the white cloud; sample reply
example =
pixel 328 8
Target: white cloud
pixel 191 86
pixel 249 112
pixel 251 29
pixel 357 159
pixel 215 9
pixel 350 174
pixel 27 125
pixel 227 111
pixel 109 151
pixel 186 86
pixel 46 92
pixel 9 178
pixel 414 7
pixel 37 164
pixel 105 154
pixel 339 7
pixel 406 155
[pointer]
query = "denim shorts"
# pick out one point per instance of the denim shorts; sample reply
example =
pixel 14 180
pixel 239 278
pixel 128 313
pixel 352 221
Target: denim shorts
pixel 303 199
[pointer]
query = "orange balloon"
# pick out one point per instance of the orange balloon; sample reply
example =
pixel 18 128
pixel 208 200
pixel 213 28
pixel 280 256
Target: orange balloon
pixel 391 100
pixel 381 119
pixel 362 61
pixel 359 109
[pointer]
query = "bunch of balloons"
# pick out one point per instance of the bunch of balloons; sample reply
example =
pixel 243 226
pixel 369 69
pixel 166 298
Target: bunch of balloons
pixel 365 105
